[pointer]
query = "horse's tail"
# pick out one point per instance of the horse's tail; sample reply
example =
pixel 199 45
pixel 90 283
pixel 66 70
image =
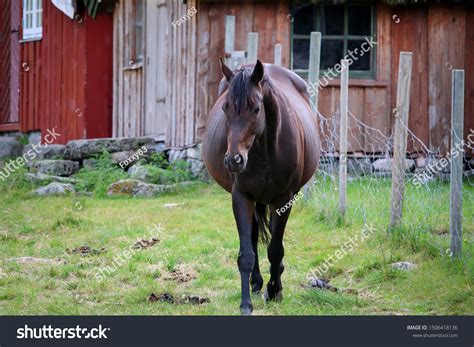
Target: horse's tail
pixel 262 216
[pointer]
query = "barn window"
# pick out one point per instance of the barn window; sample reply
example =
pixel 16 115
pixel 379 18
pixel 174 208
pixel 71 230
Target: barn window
pixel 134 41
pixel 32 20
pixel 348 30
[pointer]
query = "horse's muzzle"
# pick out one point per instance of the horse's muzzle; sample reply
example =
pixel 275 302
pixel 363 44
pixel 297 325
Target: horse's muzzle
pixel 234 163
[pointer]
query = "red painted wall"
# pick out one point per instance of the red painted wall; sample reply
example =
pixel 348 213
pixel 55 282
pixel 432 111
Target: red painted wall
pixel 66 77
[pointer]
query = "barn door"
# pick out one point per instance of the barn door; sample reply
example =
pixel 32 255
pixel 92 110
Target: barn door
pixel 9 64
pixel 156 84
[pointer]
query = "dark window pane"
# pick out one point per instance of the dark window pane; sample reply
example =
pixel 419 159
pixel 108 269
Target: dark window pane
pixel 359 20
pixel 304 22
pixel 301 54
pixel 332 20
pixel 361 60
pixel 331 53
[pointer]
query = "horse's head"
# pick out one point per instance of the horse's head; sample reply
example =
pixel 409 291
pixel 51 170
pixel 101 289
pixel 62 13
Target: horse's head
pixel 244 113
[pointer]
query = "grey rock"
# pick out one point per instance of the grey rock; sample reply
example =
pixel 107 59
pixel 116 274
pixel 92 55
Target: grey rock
pixel 403 265
pixel 359 167
pixel 10 147
pixel 40 178
pixel 34 137
pixel 55 188
pixel 81 149
pixel 54 167
pixel 136 188
pixel 196 167
pixel 89 164
pixel 41 152
pixel 159 147
pixel 140 173
pixel 386 164
pixel 421 162
pixel 119 157
pixel 194 152
pixel 177 154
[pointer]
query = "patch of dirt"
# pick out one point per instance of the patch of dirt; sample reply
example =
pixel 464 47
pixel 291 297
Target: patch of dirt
pixel 85 250
pixel 144 244
pixel 320 283
pixel 195 300
pixel 181 273
pixel 187 299
pixel 165 297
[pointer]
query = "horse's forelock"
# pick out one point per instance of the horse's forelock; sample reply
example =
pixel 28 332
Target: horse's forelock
pixel 242 92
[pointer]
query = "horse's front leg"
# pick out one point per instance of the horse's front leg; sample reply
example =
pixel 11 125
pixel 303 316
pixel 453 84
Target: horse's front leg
pixel 276 252
pixel 243 213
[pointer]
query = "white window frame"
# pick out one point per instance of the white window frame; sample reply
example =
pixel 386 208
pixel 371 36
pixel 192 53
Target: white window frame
pixel 32 20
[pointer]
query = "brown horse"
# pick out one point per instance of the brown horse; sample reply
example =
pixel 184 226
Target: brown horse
pixel 261 145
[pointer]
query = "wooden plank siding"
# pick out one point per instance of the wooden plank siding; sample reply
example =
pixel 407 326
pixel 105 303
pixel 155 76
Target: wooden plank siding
pixel 9 65
pixel 155 100
pixel 446 37
pixel 65 78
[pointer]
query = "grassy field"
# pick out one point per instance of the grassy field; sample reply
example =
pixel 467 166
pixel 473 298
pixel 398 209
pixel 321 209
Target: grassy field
pixel 197 250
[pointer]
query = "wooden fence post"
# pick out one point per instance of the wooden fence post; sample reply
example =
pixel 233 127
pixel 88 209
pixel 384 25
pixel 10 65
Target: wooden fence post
pixel 314 62
pixel 277 55
pixel 343 135
pixel 313 77
pixel 229 38
pixel 457 128
pixel 400 141
pixel 252 48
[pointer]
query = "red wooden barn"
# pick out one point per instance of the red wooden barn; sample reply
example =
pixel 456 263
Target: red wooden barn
pixel 56 71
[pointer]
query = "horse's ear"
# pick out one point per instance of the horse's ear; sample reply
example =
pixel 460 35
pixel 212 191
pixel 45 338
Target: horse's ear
pixel 257 74
pixel 226 70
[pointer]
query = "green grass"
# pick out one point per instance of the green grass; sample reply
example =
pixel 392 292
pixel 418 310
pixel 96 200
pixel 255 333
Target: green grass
pixel 200 236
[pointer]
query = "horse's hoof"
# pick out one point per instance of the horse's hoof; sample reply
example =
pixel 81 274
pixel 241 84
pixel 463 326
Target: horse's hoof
pixel 246 311
pixel 278 297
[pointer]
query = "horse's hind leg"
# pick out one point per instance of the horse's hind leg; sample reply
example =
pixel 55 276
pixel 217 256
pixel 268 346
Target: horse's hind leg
pixel 275 254
pixel 256 280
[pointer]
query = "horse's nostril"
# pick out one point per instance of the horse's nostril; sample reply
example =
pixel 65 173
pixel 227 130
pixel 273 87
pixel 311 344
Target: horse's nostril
pixel 237 158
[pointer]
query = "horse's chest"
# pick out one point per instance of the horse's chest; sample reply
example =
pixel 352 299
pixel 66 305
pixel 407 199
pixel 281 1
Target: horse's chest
pixel 262 187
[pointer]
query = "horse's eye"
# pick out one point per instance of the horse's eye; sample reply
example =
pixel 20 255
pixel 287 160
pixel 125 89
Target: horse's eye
pixel 256 110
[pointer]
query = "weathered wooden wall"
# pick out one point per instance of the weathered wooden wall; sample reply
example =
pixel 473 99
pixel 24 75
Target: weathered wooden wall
pixel 156 97
pixel 64 77
pixel 9 64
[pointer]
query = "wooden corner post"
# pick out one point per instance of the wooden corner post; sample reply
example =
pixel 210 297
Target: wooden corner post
pixel 400 141
pixel 457 128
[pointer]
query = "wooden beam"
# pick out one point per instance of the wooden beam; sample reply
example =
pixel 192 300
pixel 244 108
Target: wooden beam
pixel 400 141
pixel 457 130
pixel 314 63
pixel 252 48
pixel 277 55
pixel 344 100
